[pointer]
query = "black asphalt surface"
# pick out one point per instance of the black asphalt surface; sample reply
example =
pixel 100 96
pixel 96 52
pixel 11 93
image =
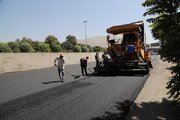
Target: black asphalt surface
pixel 39 95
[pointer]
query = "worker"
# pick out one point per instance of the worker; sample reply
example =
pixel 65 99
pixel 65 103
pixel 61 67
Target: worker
pixel 97 58
pixel 83 63
pixel 60 63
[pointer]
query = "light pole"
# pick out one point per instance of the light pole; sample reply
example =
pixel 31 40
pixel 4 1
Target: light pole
pixel 85 30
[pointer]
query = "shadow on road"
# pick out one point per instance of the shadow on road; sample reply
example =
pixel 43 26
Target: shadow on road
pixel 122 111
pixel 57 81
pixel 165 110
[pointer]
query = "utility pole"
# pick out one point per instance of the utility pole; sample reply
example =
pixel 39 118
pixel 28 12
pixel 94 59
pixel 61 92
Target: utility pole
pixel 85 30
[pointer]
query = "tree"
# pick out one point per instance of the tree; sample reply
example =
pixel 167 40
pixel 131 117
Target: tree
pixel 41 46
pixel 90 49
pixel 29 40
pixel 4 48
pixel 50 39
pixel 166 27
pixel 25 47
pixel 98 49
pixel 77 48
pixel 67 46
pixel 14 46
pixel 55 47
pixel 54 44
pixel 84 48
pixel 71 39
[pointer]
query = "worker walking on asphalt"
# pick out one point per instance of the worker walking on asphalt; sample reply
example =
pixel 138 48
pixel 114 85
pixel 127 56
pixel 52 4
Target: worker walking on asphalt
pixel 60 63
pixel 83 63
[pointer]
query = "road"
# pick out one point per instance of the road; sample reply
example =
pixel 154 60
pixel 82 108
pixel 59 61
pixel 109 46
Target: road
pixel 39 95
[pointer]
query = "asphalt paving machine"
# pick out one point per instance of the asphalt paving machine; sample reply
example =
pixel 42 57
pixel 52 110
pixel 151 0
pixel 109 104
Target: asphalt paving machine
pixel 126 50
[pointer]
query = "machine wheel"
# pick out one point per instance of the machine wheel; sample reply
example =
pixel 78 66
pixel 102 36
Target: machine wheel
pixel 147 67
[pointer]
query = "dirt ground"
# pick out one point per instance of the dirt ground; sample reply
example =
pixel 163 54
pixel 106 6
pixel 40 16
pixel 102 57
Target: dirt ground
pixel 153 103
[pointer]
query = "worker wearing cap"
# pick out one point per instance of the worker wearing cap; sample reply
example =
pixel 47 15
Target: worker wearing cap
pixel 60 63
pixel 83 63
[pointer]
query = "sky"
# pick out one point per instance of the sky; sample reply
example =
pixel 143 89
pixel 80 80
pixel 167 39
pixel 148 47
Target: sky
pixel 36 19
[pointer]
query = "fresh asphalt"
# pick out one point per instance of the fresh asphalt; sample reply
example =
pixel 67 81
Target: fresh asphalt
pixel 40 95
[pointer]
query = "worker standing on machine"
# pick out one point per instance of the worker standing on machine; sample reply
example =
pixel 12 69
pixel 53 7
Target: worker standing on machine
pixel 83 63
pixel 60 63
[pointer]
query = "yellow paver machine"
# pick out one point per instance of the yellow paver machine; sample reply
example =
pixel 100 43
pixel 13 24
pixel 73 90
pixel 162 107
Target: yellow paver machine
pixel 126 50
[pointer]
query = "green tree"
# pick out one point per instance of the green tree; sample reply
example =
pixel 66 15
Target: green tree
pixel 50 39
pixel 166 27
pixel 35 46
pixel 71 39
pixel 14 46
pixel 41 46
pixel 4 48
pixel 55 47
pixel 25 47
pixel 29 40
pixel 90 49
pixel 53 42
pixel 98 49
pixel 84 48
pixel 77 48
pixel 67 46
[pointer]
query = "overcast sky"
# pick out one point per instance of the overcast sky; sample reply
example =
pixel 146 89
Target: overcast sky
pixel 36 19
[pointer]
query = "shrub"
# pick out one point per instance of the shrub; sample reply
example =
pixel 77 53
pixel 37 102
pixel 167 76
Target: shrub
pixel 4 48
pixel 55 47
pixel 14 46
pixel 41 47
pixel 67 46
pixel 25 47
pixel 98 49
pixel 77 48
pixel 44 47
pixel 90 49
pixel 84 49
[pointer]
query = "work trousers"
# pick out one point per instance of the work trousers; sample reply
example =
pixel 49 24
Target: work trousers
pixel 61 73
pixel 84 70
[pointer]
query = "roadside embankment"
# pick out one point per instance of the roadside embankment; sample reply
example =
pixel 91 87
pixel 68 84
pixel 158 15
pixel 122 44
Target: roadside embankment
pixel 12 62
